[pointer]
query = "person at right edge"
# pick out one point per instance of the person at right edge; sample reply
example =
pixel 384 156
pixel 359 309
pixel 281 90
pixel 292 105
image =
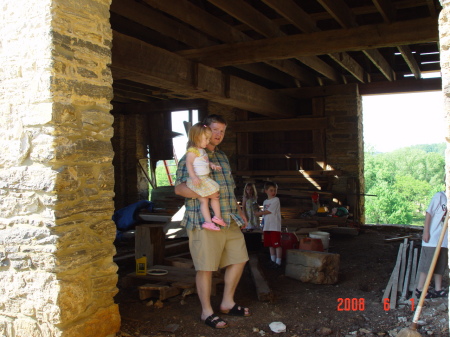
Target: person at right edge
pixel 211 250
pixel 434 220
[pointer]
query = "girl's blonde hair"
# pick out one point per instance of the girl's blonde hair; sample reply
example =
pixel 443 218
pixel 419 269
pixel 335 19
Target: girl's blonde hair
pixel 195 134
pixel 255 193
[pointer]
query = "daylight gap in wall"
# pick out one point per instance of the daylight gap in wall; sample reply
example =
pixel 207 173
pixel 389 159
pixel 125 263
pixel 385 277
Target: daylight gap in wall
pixel 404 155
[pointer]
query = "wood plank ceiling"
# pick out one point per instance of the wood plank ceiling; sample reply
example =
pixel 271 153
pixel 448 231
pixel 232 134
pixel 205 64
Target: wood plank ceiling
pixel 262 55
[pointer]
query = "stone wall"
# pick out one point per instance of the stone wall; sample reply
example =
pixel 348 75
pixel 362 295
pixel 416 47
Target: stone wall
pixel 344 147
pixel 444 41
pixel 57 276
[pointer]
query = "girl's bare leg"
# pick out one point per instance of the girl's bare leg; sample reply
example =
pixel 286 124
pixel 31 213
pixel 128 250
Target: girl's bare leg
pixel 204 208
pixel 215 205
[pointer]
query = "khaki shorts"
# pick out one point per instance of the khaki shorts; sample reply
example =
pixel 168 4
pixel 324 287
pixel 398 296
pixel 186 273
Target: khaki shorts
pixel 426 256
pixel 212 250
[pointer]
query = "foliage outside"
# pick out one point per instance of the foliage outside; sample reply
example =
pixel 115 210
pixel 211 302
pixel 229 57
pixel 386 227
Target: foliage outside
pixel 161 174
pixel 400 184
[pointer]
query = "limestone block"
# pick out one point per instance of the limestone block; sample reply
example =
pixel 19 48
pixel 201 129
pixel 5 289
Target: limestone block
pixel 311 266
pixel 104 322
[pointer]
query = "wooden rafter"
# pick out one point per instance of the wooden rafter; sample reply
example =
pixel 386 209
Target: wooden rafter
pixel 410 60
pixel 387 11
pixel 353 39
pixel 299 18
pixel 263 25
pixel 140 62
pixel 345 17
pixel 210 25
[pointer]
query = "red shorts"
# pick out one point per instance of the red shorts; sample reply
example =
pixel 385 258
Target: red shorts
pixel 272 239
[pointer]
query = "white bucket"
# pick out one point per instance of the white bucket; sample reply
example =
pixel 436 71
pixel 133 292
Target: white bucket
pixel 324 236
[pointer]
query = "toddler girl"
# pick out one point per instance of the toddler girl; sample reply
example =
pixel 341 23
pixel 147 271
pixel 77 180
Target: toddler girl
pixel 198 167
pixel 250 206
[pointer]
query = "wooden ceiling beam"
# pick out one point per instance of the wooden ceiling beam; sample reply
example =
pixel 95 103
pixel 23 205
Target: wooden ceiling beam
pixel 243 12
pixel 339 10
pixel 152 19
pixel 343 14
pixel 386 9
pixel 380 62
pixel 210 25
pixel 320 91
pixel 401 86
pixel 410 60
pixel 293 124
pixel 299 18
pixel 140 62
pixel 339 40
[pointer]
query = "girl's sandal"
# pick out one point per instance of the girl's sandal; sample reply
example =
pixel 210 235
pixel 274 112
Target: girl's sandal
pixel 218 221
pixel 237 310
pixel 214 320
pixel 210 226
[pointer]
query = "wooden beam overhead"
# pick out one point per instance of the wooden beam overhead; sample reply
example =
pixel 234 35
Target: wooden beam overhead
pixel 210 25
pixel 339 10
pixel 386 9
pixel 347 19
pixel 299 18
pixel 401 86
pixel 148 17
pixel 140 62
pixel 294 14
pixel 328 90
pixel 380 62
pixel 410 60
pixel 353 39
pixel 301 123
pixel 263 25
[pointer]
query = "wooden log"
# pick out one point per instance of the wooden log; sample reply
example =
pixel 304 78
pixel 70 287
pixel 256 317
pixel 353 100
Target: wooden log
pixel 393 302
pixel 397 238
pixel 388 289
pixel 408 270
pixel 311 266
pixel 159 290
pixel 263 290
pixel 403 266
pixel 412 282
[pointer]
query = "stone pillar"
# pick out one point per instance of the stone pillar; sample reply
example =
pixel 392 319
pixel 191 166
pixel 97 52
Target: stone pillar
pixel 444 41
pixel 57 276
pixel 344 147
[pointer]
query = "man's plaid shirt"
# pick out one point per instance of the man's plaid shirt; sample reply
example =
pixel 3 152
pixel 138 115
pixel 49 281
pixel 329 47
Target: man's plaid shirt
pixel 193 218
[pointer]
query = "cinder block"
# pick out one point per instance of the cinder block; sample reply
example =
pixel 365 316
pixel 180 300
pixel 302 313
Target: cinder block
pixel 311 266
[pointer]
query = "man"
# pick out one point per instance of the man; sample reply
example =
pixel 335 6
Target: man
pixel 211 250
pixel 434 220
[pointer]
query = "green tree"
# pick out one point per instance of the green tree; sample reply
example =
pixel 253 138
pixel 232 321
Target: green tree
pixel 403 181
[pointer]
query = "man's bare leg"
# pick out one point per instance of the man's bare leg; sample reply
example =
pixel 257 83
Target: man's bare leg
pixel 203 280
pixel 233 274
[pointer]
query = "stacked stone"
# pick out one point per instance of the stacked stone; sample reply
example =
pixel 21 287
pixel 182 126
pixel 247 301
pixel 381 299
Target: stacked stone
pixel 57 276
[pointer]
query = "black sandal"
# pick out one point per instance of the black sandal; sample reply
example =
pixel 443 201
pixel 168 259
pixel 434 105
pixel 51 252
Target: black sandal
pixel 237 310
pixel 213 321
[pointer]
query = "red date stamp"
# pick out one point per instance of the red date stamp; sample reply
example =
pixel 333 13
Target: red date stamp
pixel 358 304
pixel 351 304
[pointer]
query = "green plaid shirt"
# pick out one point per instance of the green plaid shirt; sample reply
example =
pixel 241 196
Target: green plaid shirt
pixel 193 218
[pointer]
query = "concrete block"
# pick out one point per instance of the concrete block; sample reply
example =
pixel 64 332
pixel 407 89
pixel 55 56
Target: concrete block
pixel 311 266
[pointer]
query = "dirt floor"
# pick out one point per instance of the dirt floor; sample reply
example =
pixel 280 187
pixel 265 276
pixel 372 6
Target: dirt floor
pixel 366 263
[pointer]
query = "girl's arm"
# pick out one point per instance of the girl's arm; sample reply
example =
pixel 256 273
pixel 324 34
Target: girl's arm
pixel 190 157
pixel 244 201
pixel 215 167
